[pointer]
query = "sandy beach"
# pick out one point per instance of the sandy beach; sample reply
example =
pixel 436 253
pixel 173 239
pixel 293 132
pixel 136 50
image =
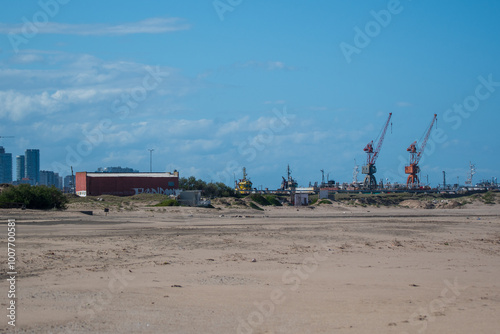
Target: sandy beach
pixel 322 269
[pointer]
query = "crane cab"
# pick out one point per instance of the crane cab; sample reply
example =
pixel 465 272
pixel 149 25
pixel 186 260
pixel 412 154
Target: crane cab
pixel 412 169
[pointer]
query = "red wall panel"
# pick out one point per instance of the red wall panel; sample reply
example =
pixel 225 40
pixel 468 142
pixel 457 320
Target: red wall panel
pixel 80 182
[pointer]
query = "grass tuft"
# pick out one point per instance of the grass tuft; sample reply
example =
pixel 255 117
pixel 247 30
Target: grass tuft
pixel 255 206
pixel 168 202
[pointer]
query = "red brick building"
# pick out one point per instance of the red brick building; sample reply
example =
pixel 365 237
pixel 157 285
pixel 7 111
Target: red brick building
pixel 126 184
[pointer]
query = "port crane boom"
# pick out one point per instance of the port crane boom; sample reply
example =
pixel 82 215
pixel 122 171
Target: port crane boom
pixel 415 155
pixel 372 154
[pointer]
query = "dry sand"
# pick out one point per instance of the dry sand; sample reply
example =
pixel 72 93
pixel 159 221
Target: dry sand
pixel 331 269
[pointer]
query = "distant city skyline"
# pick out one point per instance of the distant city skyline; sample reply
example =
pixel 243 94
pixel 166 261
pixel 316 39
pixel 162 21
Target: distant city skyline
pixel 50 178
pixel 117 169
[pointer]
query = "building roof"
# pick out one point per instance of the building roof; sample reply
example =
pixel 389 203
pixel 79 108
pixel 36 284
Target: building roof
pixel 166 174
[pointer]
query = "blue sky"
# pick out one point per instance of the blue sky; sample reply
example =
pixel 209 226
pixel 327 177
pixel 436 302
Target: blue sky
pixel 214 86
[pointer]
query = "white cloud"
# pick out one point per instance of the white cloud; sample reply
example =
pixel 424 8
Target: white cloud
pixel 187 127
pixel 46 130
pixel 233 127
pixel 276 65
pixel 63 69
pixel 16 106
pixel 87 95
pixel 319 137
pixel 26 58
pixel 199 145
pixel 155 25
pixel 261 123
pixel 129 157
pixel 120 138
pixel 73 93
pixel 79 83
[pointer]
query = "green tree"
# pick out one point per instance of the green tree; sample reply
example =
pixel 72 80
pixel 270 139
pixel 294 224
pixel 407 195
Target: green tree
pixel 211 189
pixel 34 197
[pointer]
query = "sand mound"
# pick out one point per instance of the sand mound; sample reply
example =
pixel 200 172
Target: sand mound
pixel 230 201
pixel 448 204
pixel 416 204
pixel 442 204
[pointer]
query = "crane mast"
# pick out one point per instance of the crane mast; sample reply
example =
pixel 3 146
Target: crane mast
pixel 415 155
pixel 372 154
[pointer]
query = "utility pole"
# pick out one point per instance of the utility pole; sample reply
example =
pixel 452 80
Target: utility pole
pixel 151 159
pixel 444 180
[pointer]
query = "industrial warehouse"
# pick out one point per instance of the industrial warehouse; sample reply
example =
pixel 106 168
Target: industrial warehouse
pixel 126 184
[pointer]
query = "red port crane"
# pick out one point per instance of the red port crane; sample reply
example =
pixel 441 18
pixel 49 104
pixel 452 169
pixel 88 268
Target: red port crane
pixel 369 169
pixel 415 154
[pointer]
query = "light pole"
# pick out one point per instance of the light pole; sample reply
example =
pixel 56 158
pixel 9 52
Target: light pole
pixel 151 159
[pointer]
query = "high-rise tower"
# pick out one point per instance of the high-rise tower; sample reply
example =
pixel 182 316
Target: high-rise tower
pixel 32 165
pixel 5 166
pixel 20 168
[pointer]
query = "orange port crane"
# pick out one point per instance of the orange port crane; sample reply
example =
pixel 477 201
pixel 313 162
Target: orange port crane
pixel 369 169
pixel 415 154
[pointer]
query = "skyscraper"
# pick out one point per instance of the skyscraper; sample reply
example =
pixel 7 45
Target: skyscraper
pixel 32 165
pixel 49 178
pixel 5 166
pixel 20 168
